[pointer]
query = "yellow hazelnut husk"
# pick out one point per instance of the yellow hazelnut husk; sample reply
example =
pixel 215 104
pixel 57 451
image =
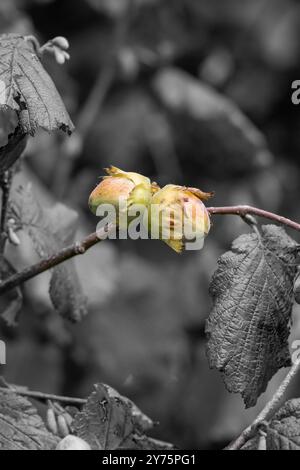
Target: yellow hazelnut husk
pixel 178 216
pixel 128 187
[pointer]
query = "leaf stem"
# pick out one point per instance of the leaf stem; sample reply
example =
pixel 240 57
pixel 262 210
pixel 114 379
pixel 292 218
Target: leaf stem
pixel 268 410
pixel 44 396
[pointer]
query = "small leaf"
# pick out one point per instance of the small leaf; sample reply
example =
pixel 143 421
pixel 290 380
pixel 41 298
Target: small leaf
pixel 109 421
pixel 21 428
pixel 27 88
pixel 283 432
pixel 51 230
pixel 10 303
pixel 248 327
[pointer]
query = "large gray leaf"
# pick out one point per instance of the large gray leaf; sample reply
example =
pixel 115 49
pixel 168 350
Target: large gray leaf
pixel 248 327
pixel 51 230
pixel 283 432
pixel 21 428
pixel 26 87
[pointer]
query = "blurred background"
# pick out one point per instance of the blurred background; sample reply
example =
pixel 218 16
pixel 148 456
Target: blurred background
pixel 194 92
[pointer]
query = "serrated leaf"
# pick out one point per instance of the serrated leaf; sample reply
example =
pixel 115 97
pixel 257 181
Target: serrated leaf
pixel 248 327
pixel 11 302
pixel 21 428
pixel 105 421
pixel 283 432
pixel 26 87
pixel 109 421
pixel 51 230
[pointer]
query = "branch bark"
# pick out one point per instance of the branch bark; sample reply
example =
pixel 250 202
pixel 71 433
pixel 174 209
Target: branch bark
pixel 245 210
pixel 80 248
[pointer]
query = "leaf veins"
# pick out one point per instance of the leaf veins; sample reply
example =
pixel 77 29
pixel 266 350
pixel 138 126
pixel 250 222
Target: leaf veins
pixel 26 87
pixel 248 327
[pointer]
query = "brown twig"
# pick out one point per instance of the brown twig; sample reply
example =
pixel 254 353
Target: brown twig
pixel 242 211
pixel 268 410
pixel 79 248
pixel 43 396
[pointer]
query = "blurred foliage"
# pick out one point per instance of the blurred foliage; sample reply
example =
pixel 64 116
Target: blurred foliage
pixel 144 334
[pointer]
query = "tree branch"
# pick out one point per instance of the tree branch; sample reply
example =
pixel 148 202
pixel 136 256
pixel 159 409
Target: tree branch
pixel 242 211
pixel 44 396
pixel 268 410
pixel 78 248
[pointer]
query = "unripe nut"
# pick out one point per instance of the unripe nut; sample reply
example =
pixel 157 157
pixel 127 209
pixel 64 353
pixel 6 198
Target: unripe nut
pixel 121 187
pixel 177 215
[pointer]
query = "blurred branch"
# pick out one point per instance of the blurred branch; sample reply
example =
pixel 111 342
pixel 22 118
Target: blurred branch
pixel 80 248
pixel 72 146
pixel 43 396
pixel 268 410
pixel 5 184
pixel 104 81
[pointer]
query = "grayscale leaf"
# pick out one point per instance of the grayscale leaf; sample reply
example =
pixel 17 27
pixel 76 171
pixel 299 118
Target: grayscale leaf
pixel 21 428
pixel 110 421
pixel 26 87
pixel 248 327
